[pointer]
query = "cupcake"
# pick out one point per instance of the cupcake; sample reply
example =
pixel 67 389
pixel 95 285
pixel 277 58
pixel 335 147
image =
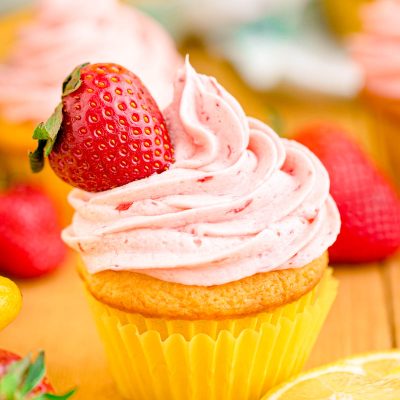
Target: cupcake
pixel 58 36
pixel 298 74
pixel 376 49
pixel 209 278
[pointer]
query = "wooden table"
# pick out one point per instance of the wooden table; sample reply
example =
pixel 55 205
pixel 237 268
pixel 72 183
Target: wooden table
pixel 365 316
pixel 56 318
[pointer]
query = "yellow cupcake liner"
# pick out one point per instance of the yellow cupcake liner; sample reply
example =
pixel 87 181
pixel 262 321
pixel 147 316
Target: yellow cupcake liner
pixel 237 358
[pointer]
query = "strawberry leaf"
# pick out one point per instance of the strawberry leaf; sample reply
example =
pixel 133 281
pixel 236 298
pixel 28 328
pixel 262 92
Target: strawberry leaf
pixel 46 134
pixel 35 374
pixel 73 81
pixel 48 130
pixel 50 396
pixel 36 159
pixel 11 380
pixel 23 377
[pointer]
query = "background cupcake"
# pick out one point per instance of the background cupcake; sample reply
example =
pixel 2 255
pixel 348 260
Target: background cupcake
pixel 215 269
pixel 376 49
pixel 281 59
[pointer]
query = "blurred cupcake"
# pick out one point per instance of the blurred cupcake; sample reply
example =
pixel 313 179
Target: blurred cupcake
pixel 60 37
pixel 210 280
pixel 377 50
pixel 62 34
pixel 298 72
pixel 290 48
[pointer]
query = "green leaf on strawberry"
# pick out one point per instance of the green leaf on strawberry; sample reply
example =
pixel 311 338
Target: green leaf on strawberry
pixel 25 380
pixel 34 375
pixel 46 132
pixel 10 382
pixel 49 396
pixel 73 81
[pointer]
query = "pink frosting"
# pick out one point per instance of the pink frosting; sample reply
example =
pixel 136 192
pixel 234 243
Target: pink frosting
pixel 65 33
pixel 377 48
pixel 239 200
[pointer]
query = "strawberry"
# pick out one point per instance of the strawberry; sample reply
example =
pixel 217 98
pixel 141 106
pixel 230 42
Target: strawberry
pixel 368 204
pixel 20 379
pixel 108 130
pixel 30 243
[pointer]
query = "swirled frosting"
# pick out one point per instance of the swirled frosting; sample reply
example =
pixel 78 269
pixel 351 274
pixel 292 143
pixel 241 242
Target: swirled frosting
pixel 65 33
pixel 238 200
pixel 377 48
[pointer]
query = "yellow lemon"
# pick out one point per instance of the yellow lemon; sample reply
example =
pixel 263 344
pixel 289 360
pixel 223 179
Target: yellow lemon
pixel 10 301
pixel 365 377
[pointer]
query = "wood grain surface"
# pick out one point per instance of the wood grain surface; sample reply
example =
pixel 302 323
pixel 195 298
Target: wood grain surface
pixel 56 318
pixel 365 316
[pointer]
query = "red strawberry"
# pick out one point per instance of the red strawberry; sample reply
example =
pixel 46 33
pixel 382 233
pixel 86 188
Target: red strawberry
pixel 30 243
pixel 20 379
pixel 6 358
pixel 108 130
pixel 368 204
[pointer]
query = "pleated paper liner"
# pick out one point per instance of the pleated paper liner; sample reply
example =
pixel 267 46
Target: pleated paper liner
pixel 218 359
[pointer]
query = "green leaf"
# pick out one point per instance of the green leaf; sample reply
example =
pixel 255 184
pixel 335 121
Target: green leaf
pixel 48 130
pixel 53 125
pixel 22 377
pixel 35 374
pixel 11 381
pixel 73 81
pixel 50 396
pixel 36 158
pixel 46 134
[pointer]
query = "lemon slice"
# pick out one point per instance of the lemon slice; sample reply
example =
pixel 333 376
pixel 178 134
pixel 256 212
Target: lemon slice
pixel 10 301
pixel 374 376
pixel 377 365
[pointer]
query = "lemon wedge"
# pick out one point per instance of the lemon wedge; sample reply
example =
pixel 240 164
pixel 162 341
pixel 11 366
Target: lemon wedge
pixel 374 376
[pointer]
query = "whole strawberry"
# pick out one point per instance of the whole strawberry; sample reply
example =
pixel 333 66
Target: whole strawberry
pixel 30 243
pixel 21 379
pixel 108 130
pixel 368 204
